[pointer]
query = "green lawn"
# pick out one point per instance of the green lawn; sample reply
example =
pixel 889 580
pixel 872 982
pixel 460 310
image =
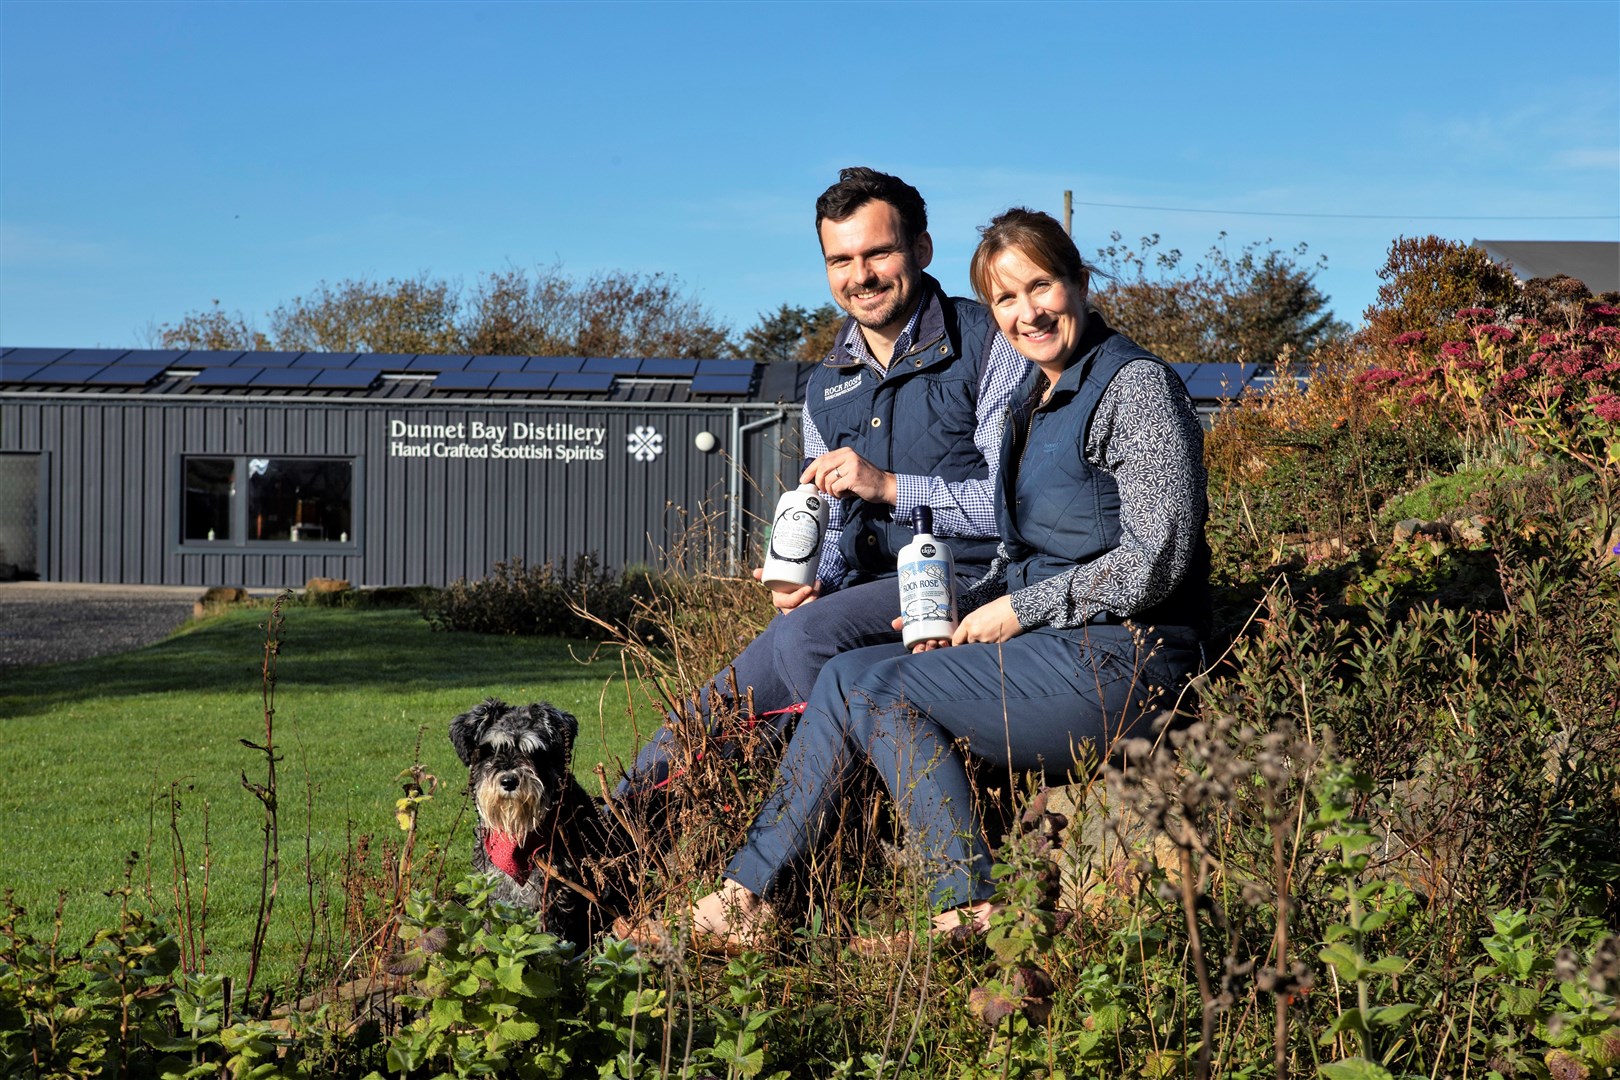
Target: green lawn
pixel 89 751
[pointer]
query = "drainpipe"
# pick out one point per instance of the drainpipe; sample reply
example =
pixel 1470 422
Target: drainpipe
pixel 734 482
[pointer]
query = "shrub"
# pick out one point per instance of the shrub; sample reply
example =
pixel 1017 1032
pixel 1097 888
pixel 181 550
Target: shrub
pixel 547 599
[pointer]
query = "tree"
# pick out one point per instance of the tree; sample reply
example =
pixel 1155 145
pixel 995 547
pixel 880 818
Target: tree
pixel 511 312
pixel 210 328
pixel 793 333
pixel 414 315
pixel 1251 308
pixel 820 333
pixel 624 314
pixel 1427 281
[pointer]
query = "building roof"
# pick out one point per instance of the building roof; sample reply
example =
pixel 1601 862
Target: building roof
pixel 373 376
pixel 449 379
pixel 1594 262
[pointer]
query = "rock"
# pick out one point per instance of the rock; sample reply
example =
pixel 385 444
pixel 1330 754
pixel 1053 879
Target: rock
pixel 326 585
pixel 1413 529
pixel 217 599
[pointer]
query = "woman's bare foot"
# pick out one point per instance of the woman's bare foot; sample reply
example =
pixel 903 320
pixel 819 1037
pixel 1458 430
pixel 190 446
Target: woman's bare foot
pixel 731 915
pixel 955 927
pixel 967 919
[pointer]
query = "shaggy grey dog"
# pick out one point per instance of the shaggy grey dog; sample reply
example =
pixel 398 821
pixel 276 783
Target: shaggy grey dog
pixel 554 851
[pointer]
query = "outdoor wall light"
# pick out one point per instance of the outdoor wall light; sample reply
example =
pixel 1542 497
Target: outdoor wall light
pixel 705 441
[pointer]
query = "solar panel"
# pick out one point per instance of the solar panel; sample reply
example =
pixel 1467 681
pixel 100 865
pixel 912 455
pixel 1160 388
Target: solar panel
pixel 61 374
pixel 14 372
pixel 611 365
pixel 285 378
pixel 92 356
pixel 324 360
pixel 1219 380
pixel 344 379
pixel 265 359
pixel 532 381
pixel 439 363
pixel 722 384
pixel 127 375
pixel 571 364
pixel 582 382
pixel 726 367
pixel 495 363
pixel 384 361
pixel 209 357
pixel 661 366
pixel 226 376
pixel 33 356
pixel 151 357
pixel 463 380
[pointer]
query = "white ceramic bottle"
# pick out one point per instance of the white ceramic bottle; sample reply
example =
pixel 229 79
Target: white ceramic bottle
pixel 927 583
pixel 794 551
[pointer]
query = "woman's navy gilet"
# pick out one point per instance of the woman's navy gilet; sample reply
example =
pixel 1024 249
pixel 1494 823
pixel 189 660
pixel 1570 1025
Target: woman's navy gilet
pixel 1054 508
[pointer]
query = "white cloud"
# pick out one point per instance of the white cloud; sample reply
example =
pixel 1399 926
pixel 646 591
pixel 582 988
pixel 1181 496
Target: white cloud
pixel 1591 157
pixel 25 246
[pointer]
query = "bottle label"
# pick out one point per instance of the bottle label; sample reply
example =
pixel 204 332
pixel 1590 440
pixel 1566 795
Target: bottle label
pixel 796 533
pixel 925 590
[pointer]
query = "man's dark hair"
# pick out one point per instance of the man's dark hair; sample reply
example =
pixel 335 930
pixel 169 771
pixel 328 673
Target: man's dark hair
pixel 859 185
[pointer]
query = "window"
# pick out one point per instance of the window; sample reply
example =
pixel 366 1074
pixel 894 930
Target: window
pixel 210 486
pixel 285 500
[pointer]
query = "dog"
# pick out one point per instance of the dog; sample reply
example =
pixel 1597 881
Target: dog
pixel 554 851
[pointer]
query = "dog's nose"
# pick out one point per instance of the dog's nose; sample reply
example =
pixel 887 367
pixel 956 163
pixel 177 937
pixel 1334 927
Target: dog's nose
pixel 509 782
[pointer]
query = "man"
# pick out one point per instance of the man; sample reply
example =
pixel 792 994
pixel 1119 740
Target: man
pixel 906 411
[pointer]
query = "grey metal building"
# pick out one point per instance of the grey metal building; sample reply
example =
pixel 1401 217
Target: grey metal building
pixel 267 469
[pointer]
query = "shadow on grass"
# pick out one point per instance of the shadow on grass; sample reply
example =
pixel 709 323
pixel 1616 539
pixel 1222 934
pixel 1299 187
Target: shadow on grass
pixel 392 648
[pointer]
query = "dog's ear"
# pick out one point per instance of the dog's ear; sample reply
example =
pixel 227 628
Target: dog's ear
pixel 567 727
pixel 467 730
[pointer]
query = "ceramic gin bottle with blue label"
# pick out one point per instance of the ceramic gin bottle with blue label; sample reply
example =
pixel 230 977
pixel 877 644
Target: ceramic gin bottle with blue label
pixel 927 583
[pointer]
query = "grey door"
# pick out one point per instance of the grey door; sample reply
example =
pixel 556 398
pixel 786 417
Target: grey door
pixel 19 516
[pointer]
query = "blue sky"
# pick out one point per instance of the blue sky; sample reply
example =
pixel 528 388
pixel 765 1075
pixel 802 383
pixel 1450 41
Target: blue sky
pixel 157 156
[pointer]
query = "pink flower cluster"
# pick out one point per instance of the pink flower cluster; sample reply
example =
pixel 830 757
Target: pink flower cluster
pixel 1473 314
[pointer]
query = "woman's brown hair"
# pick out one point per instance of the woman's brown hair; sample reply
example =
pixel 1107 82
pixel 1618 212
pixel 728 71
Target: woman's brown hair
pixel 1037 237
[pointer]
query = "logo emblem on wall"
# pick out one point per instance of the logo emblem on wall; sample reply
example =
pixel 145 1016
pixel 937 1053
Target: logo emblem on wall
pixel 646 443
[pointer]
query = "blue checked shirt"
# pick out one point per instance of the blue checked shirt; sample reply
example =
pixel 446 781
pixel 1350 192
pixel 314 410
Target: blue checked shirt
pixel 961 508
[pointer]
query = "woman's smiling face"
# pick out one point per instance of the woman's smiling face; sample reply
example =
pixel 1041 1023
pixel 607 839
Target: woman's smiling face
pixel 1042 314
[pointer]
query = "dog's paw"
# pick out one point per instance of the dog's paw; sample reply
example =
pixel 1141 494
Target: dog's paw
pixel 414 959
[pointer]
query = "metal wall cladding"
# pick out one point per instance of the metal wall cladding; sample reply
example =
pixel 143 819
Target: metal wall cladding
pixel 442 491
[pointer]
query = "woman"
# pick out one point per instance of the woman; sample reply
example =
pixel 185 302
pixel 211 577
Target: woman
pixel 1087 624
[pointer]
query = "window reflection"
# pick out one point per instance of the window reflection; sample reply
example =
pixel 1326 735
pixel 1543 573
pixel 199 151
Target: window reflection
pixel 210 484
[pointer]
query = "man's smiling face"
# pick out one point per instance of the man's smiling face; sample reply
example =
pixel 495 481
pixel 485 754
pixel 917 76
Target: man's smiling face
pixel 874 274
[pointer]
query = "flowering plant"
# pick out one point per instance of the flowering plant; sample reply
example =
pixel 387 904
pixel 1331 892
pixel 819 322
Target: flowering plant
pixel 1556 389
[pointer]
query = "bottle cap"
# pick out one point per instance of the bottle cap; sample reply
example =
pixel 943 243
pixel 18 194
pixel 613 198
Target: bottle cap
pixel 922 520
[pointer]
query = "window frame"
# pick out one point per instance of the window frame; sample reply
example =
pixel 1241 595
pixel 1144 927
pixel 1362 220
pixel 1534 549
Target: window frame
pixel 239 511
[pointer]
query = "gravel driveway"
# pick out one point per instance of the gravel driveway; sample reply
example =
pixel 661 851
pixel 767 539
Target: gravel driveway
pixel 46 622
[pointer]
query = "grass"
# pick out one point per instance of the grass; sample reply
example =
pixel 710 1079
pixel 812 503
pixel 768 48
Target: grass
pixel 92 750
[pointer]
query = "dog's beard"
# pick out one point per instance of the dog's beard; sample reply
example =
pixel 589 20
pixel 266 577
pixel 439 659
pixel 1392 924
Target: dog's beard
pixel 515 813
